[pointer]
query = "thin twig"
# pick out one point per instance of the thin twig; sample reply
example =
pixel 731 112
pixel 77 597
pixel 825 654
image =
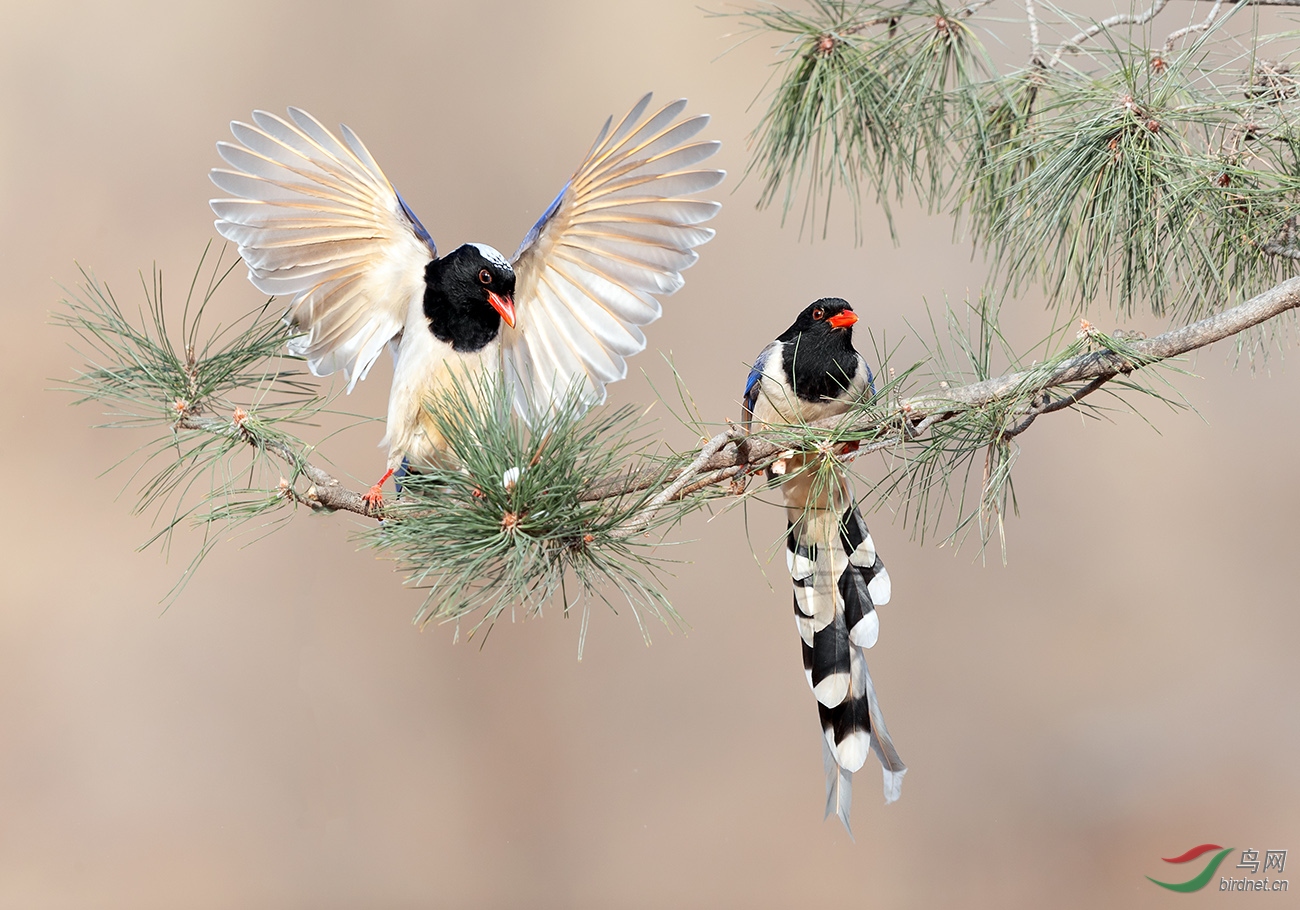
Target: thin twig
pixel 1072 44
pixel 1273 248
pixel 1191 29
pixel 1048 405
pixel 971 9
pixel 733 433
pixel 325 492
pixel 1035 48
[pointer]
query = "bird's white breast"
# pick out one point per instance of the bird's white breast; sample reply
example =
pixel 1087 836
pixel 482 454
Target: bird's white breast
pixel 424 370
pixel 777 403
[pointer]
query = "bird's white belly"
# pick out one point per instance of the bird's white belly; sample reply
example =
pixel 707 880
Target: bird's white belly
pixel 776 406
pixel 425 377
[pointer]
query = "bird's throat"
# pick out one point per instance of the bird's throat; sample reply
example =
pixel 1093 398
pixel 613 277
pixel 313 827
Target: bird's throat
pixel 820 367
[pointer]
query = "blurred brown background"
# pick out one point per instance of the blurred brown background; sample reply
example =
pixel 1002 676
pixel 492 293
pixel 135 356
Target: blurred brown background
pixel 282 737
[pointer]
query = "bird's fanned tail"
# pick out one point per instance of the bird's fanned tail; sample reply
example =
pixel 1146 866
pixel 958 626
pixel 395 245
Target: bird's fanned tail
pixel 839 580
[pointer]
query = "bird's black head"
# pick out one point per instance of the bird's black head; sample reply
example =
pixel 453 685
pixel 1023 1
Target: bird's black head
pixel 467 294
pixel 828 318
pixel 818 353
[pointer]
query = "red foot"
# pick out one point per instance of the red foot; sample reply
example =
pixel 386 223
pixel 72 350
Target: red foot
pixel 375 496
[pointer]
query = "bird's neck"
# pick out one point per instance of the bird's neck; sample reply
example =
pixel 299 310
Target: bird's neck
pixel 461 319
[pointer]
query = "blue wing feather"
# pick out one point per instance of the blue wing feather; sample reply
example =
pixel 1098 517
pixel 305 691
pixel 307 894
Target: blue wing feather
pixel 752 383
pixel 420 230
pixel 535 231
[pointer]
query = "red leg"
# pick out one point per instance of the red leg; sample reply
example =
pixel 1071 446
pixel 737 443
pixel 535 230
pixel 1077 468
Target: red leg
pixel 376 495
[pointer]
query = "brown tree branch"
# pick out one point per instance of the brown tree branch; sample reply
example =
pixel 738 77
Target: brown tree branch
pixel 733 452
pixel 1043 404
pixel 325 492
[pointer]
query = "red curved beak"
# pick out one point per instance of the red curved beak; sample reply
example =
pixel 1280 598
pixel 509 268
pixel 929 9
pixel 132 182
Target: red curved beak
pixel 503 305
pixel 843 319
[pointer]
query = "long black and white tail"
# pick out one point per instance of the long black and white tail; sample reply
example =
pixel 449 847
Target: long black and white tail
pixel 839 580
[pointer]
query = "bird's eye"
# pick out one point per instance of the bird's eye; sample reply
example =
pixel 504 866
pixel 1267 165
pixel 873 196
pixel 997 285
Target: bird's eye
pixel 484 276
pixel 818 313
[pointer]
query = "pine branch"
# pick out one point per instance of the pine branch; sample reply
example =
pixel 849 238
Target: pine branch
pixel 325 493
pixel 732 452
pixel 522 512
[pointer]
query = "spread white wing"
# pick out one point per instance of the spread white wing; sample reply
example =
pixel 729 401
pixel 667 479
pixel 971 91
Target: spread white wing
pixel 317 219
pixel 619 233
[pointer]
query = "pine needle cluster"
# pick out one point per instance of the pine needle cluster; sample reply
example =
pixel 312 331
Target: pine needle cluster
pixel 216 401
pixel 1136 161
pixel 508 523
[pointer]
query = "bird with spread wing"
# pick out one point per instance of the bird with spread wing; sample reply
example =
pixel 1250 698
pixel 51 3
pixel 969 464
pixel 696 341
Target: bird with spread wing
pixel 315 218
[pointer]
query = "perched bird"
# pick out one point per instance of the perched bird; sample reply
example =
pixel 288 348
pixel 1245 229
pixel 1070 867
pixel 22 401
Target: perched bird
pixel 315 217
pixel 811 372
